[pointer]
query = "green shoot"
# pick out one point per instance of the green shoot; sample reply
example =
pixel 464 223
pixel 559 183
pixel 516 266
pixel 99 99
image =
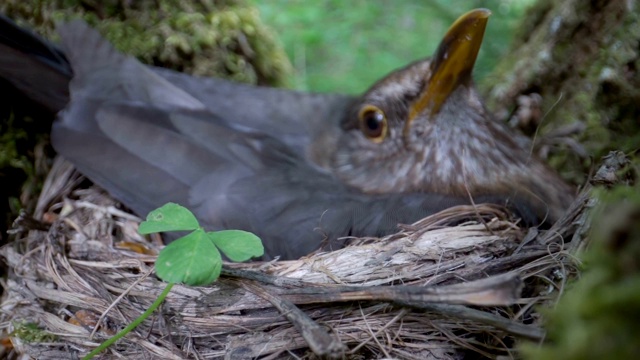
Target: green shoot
pixel 193 259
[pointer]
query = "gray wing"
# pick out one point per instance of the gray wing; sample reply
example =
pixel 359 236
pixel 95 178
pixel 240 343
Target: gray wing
pixel 36 68
pixel 102 72
pixel 230 178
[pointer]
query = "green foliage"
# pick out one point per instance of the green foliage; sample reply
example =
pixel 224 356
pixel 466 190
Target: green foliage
pixel 9 156
pixel 192 259
pixel 31 333
pixel 169 217
pixel 156 304
pixel 19 176
pixel 346 45
pixel 336 45
pixel 238 245
pixel 597 318
pixel 195 259
pixel 223 38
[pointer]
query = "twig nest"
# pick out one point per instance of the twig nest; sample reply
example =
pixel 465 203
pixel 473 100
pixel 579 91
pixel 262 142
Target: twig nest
pixel 403 296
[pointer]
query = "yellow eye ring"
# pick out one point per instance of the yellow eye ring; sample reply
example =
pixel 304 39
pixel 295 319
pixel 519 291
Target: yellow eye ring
pixel 373 123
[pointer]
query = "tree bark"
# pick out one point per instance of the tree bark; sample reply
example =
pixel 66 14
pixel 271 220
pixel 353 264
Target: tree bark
pixel 571 80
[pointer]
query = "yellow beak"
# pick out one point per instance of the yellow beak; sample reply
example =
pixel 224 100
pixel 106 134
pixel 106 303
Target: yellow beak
pixel 453 62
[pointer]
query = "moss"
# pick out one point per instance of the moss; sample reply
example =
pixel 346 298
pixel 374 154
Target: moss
pixel 597 317
pixel 223 38
pixel 29 332
pixel 17 169
pixel 583 58
pixel 535 16
pixel 9 136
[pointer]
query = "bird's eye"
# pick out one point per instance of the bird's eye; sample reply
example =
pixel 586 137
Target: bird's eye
pixel 373 123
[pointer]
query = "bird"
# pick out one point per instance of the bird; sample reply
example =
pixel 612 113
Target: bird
pixel 300 170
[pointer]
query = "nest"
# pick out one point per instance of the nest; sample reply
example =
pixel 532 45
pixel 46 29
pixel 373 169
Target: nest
pixel 79 272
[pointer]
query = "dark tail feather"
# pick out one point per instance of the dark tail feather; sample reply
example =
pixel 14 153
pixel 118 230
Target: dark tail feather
pixel 34 66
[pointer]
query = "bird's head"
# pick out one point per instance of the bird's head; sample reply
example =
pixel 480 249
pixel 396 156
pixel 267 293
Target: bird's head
pixel 423 128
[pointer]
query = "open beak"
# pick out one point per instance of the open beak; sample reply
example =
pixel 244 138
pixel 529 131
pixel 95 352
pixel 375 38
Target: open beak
pixel 453 62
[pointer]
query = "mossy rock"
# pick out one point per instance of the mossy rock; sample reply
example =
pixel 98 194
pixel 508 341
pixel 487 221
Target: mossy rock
pixel 223 39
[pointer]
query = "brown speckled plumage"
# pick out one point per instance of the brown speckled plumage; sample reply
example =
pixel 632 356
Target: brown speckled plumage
pixel 460 151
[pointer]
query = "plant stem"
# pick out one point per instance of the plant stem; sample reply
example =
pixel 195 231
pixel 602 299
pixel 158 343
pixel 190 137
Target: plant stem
pixel 133 324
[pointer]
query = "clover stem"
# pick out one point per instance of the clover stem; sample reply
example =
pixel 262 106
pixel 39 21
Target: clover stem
pixel 133 324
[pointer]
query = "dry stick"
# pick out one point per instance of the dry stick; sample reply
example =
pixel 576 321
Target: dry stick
pixel 320 342
pixel 264 278
pixel 454 311
pixel 463 312
pixel 567 222
pixel 496 290
pixel 583 222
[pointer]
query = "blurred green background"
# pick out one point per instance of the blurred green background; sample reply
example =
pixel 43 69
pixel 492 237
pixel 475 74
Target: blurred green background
pixel 346 45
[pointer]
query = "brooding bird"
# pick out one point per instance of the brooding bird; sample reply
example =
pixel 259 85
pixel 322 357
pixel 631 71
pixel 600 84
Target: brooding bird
pixel 294 168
